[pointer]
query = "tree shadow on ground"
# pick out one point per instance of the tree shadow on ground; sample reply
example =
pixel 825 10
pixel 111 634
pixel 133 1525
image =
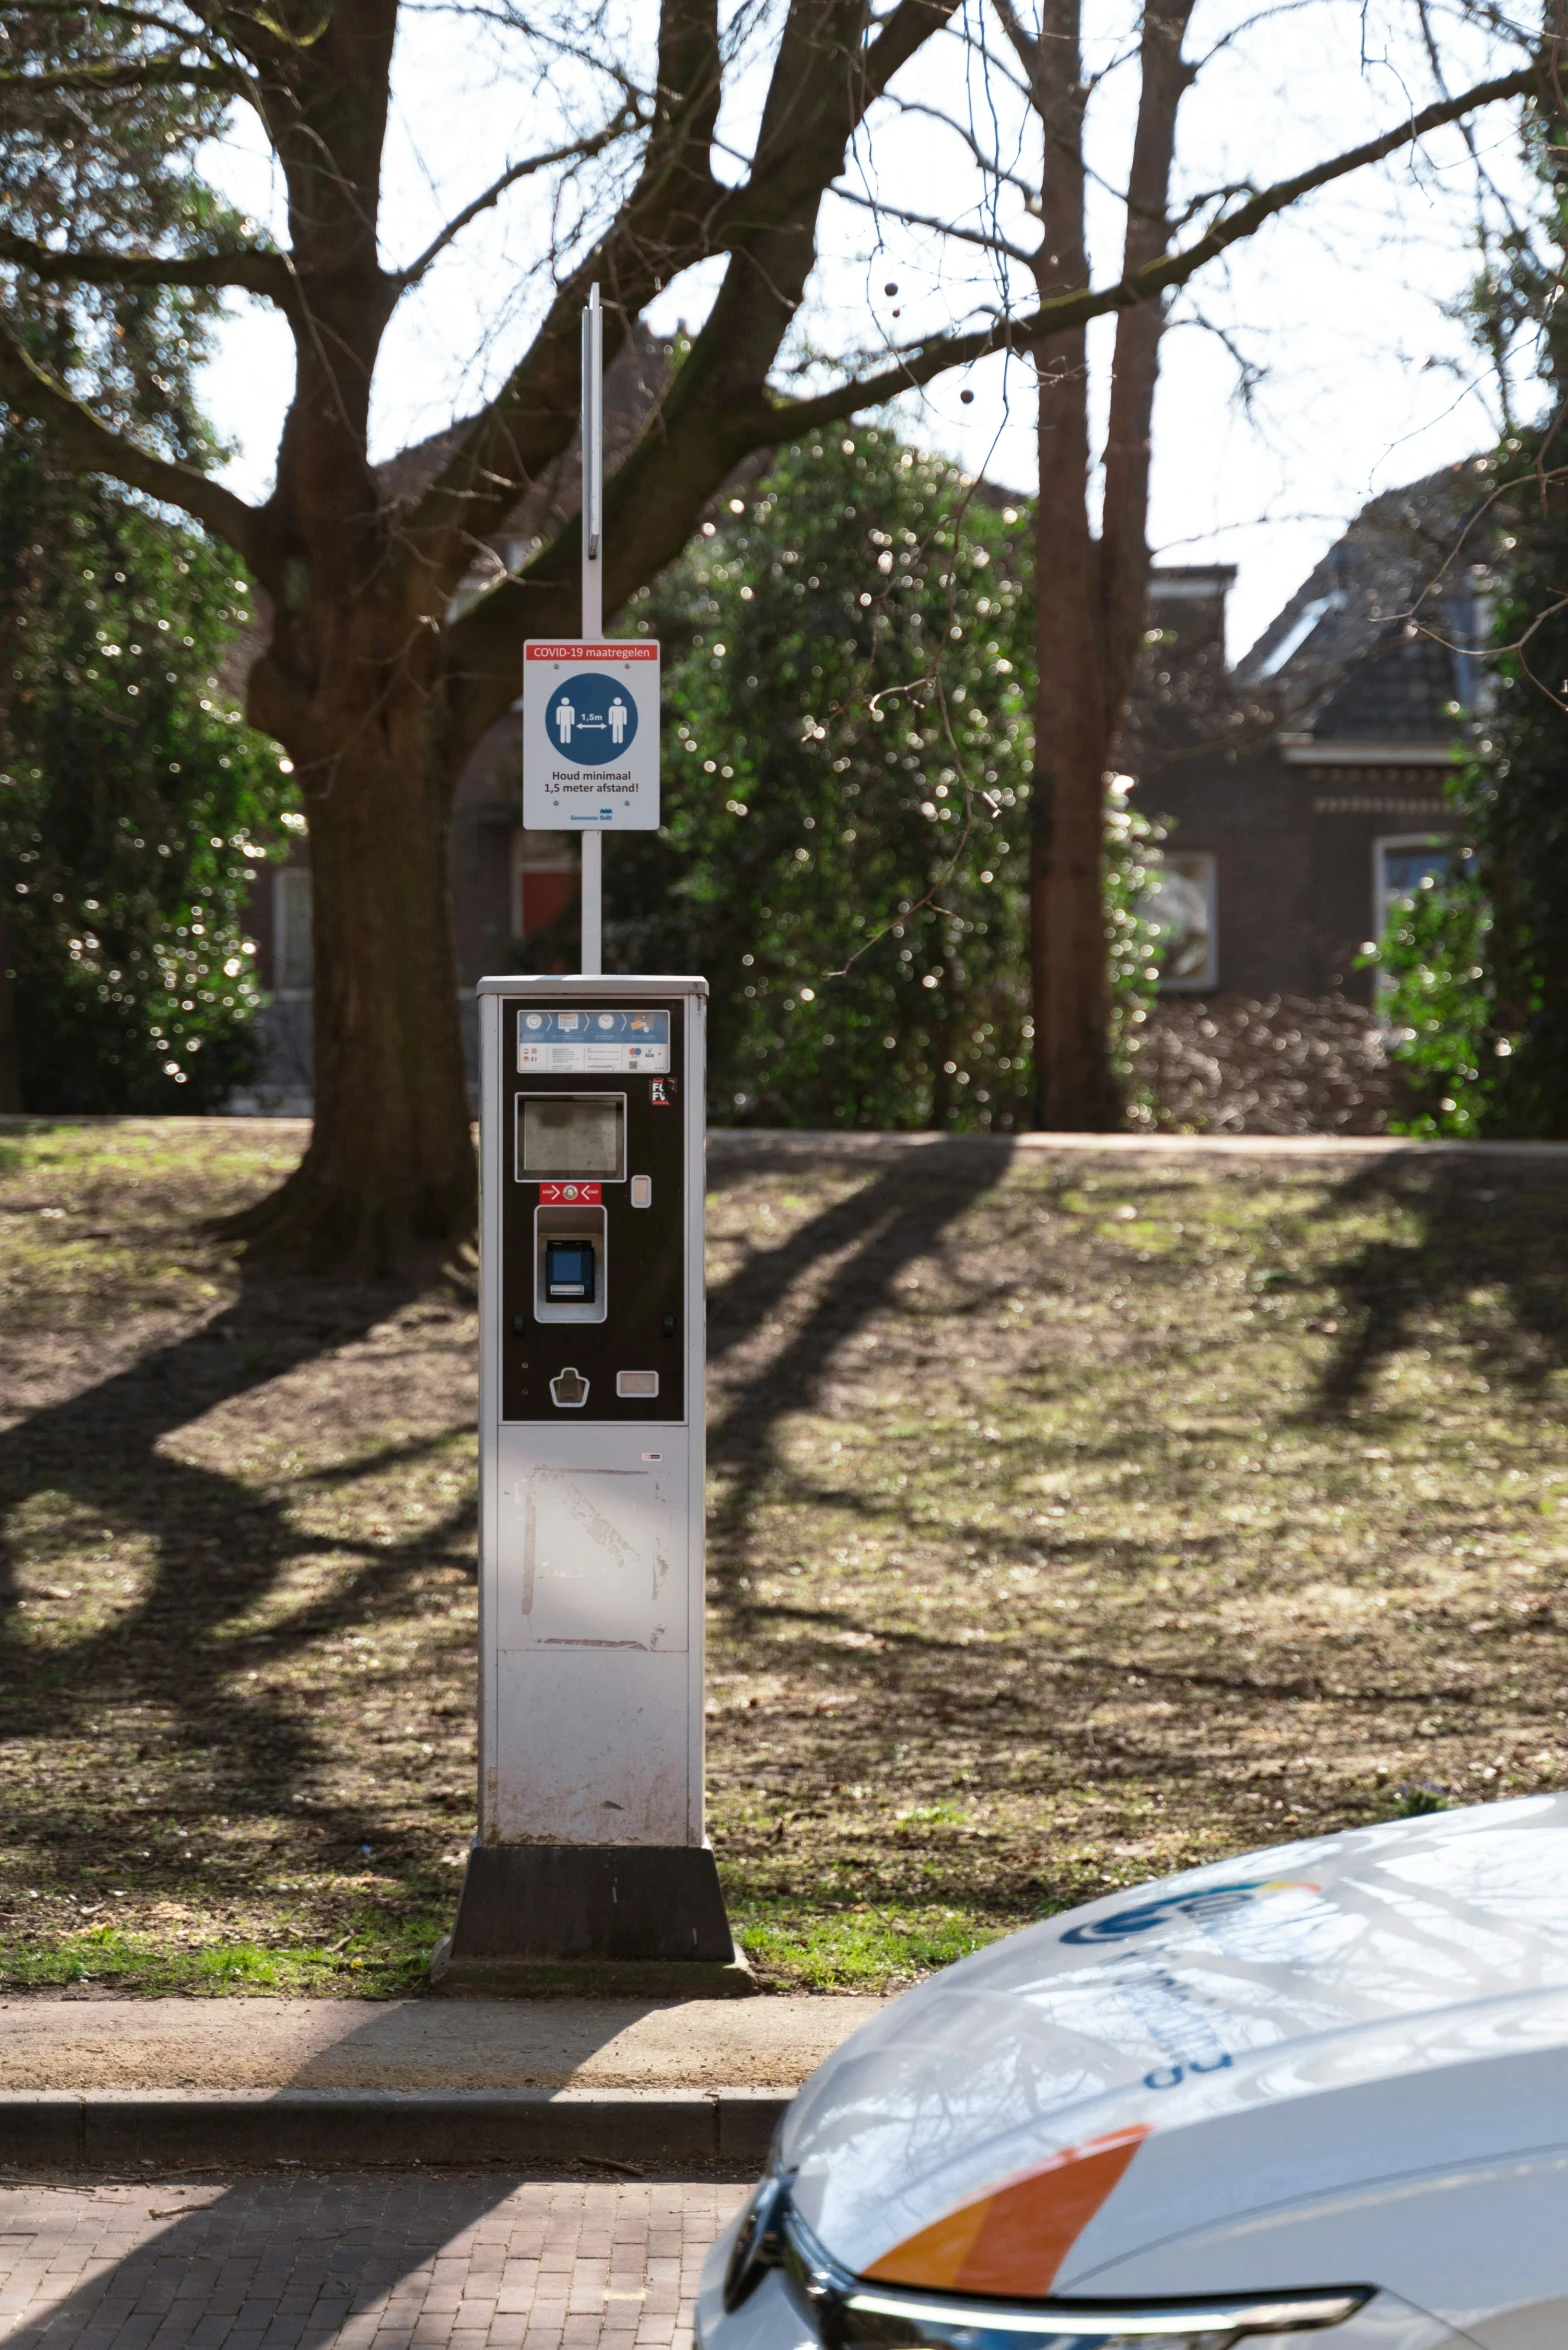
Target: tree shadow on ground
pixel 1499 1283
pixel 218 1546
pixel 296 2260
pixel 891 1222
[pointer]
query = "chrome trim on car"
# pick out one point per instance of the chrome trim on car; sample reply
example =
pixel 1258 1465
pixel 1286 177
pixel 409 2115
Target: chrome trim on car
pixel 1218 2317
pixel 849 2313
pixel 759 2240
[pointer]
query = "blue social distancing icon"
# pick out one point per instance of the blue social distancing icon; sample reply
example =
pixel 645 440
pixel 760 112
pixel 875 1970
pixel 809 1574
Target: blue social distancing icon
pixel 591 718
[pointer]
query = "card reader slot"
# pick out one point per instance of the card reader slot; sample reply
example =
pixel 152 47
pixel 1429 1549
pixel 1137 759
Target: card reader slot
pixel 571 1270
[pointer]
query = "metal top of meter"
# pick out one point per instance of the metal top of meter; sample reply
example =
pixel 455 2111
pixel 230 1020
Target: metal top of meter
pixel 592 989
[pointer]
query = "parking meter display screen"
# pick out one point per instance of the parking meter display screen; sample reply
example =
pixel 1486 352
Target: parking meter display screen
pixel 573 1135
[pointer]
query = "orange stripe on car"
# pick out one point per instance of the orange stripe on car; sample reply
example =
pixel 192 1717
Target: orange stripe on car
pixel 1014 2238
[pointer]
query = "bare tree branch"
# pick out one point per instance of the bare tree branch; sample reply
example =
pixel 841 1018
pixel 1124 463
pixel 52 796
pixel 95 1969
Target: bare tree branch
pixel 924 361
pixel 987 162
pixel 667 223
pixel 579 150
pixel 783 178
pixel 991 240
pixel 96 447
pixel 1024 42
pixel 155 73
pixel 257 271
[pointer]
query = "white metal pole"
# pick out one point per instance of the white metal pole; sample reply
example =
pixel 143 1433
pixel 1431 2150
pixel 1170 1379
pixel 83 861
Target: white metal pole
pixel 593 597
pixel 593 903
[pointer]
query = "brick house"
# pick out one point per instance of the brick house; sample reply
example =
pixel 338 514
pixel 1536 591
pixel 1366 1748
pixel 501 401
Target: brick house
pixel 1305 787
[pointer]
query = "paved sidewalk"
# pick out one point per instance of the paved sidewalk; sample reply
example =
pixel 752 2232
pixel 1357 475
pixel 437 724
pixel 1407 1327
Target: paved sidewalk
pixel 327 2044
pixel 95 2085
pixel 454 2262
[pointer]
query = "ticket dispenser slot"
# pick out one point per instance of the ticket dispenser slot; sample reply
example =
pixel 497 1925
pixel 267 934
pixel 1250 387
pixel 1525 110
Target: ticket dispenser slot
pixel 571 1271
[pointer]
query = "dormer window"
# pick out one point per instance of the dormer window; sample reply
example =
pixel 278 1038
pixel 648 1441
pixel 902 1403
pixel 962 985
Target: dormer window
pixel 1300 629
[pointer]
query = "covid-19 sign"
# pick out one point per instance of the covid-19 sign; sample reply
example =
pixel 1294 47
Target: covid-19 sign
pixel 590 736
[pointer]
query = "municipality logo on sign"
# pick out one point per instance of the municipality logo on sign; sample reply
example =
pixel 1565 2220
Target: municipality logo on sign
pixel 590 736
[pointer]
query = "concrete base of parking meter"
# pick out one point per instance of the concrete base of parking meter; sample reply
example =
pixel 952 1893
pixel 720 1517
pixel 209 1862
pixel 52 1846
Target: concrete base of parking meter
pixel 626 1919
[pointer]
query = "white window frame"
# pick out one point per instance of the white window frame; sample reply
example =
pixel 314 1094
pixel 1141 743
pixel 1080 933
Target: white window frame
pixel 280 934
pixel 1383 898
pixel 1209 977
pixel 526 857
pixel 1305 625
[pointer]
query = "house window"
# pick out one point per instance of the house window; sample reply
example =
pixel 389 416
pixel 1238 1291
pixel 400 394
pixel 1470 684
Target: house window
pixel 294 963
pixel 544 879
pixel 1304 625
pixel 1182 903
pixel 1400 866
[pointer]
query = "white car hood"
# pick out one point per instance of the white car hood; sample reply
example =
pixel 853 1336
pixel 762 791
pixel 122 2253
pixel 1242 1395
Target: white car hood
pixel 1261 2036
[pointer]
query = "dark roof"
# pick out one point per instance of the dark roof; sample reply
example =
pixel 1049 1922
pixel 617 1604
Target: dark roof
pixel 632 384
pixel 1381 637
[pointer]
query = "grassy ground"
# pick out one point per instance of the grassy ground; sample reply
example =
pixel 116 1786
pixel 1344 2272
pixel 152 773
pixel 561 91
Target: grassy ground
pixel 1072 1518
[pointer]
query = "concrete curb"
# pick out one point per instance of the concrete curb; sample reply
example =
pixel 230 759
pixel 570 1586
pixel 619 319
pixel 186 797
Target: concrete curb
pixel 132 2129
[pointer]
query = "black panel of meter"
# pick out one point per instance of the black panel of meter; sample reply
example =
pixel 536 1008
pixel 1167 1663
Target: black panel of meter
pixel 593 1222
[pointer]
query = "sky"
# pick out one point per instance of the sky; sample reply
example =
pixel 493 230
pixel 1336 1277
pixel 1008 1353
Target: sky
pixel 1313 368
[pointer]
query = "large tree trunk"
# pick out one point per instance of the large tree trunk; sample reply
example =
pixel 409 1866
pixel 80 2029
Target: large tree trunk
pixel 10 1066
pixel 390 1169
pixel 348 685
pixel 389 1176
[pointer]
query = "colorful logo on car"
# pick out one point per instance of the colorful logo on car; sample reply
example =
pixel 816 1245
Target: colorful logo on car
pixel 1200 1908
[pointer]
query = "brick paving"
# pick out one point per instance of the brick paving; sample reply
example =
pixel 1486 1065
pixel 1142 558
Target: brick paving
pixel 368 2262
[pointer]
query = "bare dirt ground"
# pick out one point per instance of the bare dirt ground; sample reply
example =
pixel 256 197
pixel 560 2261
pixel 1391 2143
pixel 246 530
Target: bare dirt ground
pixel 1074 1516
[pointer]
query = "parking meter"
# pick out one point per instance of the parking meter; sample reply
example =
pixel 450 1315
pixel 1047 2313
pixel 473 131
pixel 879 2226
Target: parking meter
pixel 590 1852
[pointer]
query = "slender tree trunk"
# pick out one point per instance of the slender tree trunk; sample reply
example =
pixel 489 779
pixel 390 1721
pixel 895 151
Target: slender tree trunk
pixel 1069 967
pixel 1124 521
pixel 1090 593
